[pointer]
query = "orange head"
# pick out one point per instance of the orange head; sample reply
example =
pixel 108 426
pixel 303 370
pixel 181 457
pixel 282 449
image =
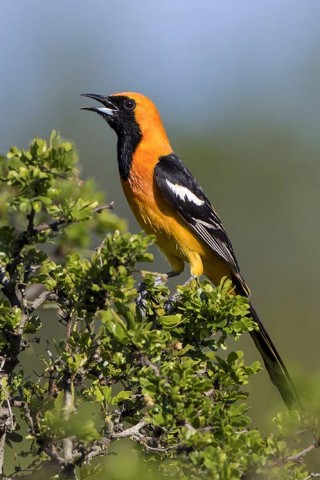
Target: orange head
pixel 129 113
pixel 136 121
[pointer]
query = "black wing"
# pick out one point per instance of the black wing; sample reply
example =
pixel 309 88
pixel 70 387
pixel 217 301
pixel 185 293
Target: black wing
pixel 184 194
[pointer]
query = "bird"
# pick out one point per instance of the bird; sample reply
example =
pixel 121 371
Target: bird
pixel 169 203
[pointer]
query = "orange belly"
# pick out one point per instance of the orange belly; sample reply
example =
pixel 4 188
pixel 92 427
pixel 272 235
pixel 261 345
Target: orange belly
pixel 173 236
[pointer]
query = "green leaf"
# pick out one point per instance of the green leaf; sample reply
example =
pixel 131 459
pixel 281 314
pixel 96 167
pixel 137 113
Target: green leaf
pixel 123 395
pixel 171 321
pixel 33 325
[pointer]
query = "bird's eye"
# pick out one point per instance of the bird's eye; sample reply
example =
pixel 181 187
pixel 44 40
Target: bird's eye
pixel 129 104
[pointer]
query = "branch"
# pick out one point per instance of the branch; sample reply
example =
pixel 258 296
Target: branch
pixel 102 445
pixel 52 452
pixel 62 222
pixel 41 299
pixel 130 432
pixel 2 445
pixel 30 218
pixel 147 362
pixel 298 456
pixel 6 425
pixel 96 450
pixel 157 449
pixel 9 282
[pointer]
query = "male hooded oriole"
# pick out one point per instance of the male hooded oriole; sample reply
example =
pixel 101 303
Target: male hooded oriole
pixel 169 203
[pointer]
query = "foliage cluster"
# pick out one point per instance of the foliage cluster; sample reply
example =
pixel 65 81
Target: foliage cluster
pixel 131 363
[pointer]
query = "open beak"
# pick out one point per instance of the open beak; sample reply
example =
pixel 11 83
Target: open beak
pixel 108 108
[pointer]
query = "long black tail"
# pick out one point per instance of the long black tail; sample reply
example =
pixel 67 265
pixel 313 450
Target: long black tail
pixel 276 368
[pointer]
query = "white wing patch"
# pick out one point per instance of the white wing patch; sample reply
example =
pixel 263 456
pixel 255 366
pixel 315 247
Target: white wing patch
pixel 184 193
pixel 205 224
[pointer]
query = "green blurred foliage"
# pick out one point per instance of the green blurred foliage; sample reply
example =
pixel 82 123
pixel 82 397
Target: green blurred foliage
pixel 131 363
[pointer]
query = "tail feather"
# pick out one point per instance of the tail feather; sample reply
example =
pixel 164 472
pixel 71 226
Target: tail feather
pixel 276 368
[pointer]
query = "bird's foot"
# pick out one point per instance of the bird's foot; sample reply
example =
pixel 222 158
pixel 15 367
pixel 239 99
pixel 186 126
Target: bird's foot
pixel 169 304
pixel 141 300
pixel 160 279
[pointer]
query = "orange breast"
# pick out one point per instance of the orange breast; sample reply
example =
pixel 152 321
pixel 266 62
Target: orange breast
pixel 152 211
pixel 157 217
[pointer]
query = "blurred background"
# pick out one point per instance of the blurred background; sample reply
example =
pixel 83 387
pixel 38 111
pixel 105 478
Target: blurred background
pixel 237 84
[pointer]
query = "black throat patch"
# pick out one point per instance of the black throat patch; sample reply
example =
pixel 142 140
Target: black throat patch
pixel 128 140
pixel 128 131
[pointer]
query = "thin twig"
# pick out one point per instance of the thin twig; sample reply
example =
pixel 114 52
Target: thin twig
pixel 68 331
pixel 312 475
pixel 147 362
pixel 29 418
pixel 62 222
pixel 157 449
pixel 298 456
pixel 11 415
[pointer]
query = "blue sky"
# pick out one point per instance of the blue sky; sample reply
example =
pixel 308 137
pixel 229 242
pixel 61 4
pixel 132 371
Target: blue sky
pixel 199 60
